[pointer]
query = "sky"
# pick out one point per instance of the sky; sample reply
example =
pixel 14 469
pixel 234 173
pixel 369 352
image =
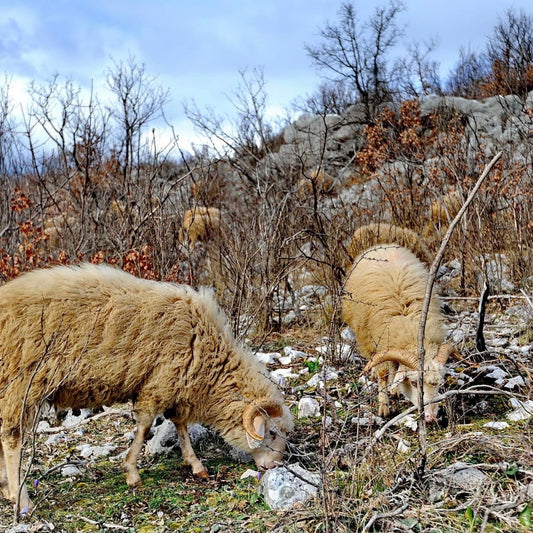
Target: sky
pixel 197 48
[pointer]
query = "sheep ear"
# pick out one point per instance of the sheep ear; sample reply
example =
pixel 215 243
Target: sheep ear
pixel 259 429
pixel 254 415
pixel 394 356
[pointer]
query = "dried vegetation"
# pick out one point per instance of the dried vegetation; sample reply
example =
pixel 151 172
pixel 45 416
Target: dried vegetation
pixel 278 260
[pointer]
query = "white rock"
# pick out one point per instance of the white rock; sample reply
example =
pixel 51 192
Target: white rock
pixel 367 420
pixel 164 438
pixel 461 476
pixel 499 342
pixel 282 489
pixel 285 359
pixel 495 372
pixel 197 432
pixel 250 473
pixel 325 374
pixel 286 373
pixel 294 354
pixel 42 426
pixel 86 450
pixel 410 422
pixel 71 420
pixel 308 407
pixel 517 381
pixel 70 470
pixel 54 439
pixel 523 410
pixel 496 425
pixel 267 357
pixel 289 317
pixel 347 335
pixel 403 447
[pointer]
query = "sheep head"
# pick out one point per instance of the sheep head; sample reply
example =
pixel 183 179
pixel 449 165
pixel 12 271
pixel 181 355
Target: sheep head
pixel 405 379
pixel 266 423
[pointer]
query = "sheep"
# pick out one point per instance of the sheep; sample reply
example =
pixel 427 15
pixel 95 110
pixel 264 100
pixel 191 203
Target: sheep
pixel 384 295
pixel 384 233
pixel 57 227
pixel 93 335
pixel 199 223
pixel 442 212
pixel 317 182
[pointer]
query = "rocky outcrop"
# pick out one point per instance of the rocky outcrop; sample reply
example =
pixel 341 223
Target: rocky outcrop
pixel 492 124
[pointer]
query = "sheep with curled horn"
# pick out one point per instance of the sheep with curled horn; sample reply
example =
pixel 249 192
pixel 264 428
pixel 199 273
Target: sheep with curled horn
pixel 93 335
pixel 384 296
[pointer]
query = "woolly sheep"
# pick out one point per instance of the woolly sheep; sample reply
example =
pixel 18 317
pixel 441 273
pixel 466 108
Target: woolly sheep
pixel 383 304
pixel 199 223
pixel 384 233
pixel 318 181
pixel 91 335
pixel 442 212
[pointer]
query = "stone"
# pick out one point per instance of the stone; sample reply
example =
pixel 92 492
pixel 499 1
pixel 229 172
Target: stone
pixel 458 477
pixel 517 381
pixel 308 407
pixel 72 420
pixel 86 450
pixel 325 374
pixel 70 471
pixel 282 489
pixel 496 425
pixel 267 358
pixel 165 438
pixel 522 410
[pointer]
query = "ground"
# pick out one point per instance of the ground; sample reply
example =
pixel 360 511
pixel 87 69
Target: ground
pixel 369 484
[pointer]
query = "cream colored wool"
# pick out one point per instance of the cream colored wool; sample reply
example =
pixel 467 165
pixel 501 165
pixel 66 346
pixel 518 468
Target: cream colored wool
pixel 199 223
pixel 89 335
pixel 383 233
pixel 383 301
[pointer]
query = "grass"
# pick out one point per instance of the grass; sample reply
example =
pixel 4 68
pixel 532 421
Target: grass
pixel 363 484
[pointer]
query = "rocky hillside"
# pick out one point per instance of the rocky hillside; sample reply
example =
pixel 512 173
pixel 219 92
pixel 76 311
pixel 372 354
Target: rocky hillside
pixel 278 257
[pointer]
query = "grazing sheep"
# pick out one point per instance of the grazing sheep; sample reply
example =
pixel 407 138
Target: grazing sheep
pixel 383 304
pixel 384 233
pixel 318 182
pixel 91 335
pixel 199 223
pixel 442 212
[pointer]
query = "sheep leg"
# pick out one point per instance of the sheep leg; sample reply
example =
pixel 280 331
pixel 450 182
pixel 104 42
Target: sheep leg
pixel 383 390
pixel 12 453
pixel 144 423
pixel 189 457
pixel 3 473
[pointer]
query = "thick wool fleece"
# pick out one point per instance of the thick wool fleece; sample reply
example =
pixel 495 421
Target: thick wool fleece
pixel 383 302
pixel 91 335
pixel 370 235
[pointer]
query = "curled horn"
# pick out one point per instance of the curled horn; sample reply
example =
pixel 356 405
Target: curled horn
pixel 402 358
pixel 263 407
pixel 444 353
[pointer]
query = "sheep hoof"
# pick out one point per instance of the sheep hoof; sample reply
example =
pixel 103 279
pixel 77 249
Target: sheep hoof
pixel 133 483
pixel 202 474
pixel 384 412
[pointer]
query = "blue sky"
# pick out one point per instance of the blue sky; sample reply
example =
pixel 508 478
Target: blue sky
pixel 196 48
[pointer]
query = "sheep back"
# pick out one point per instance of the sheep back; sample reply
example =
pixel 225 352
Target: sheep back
pixel 384 297
pixel 92 335
pixel 384 233
pixel 199 223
